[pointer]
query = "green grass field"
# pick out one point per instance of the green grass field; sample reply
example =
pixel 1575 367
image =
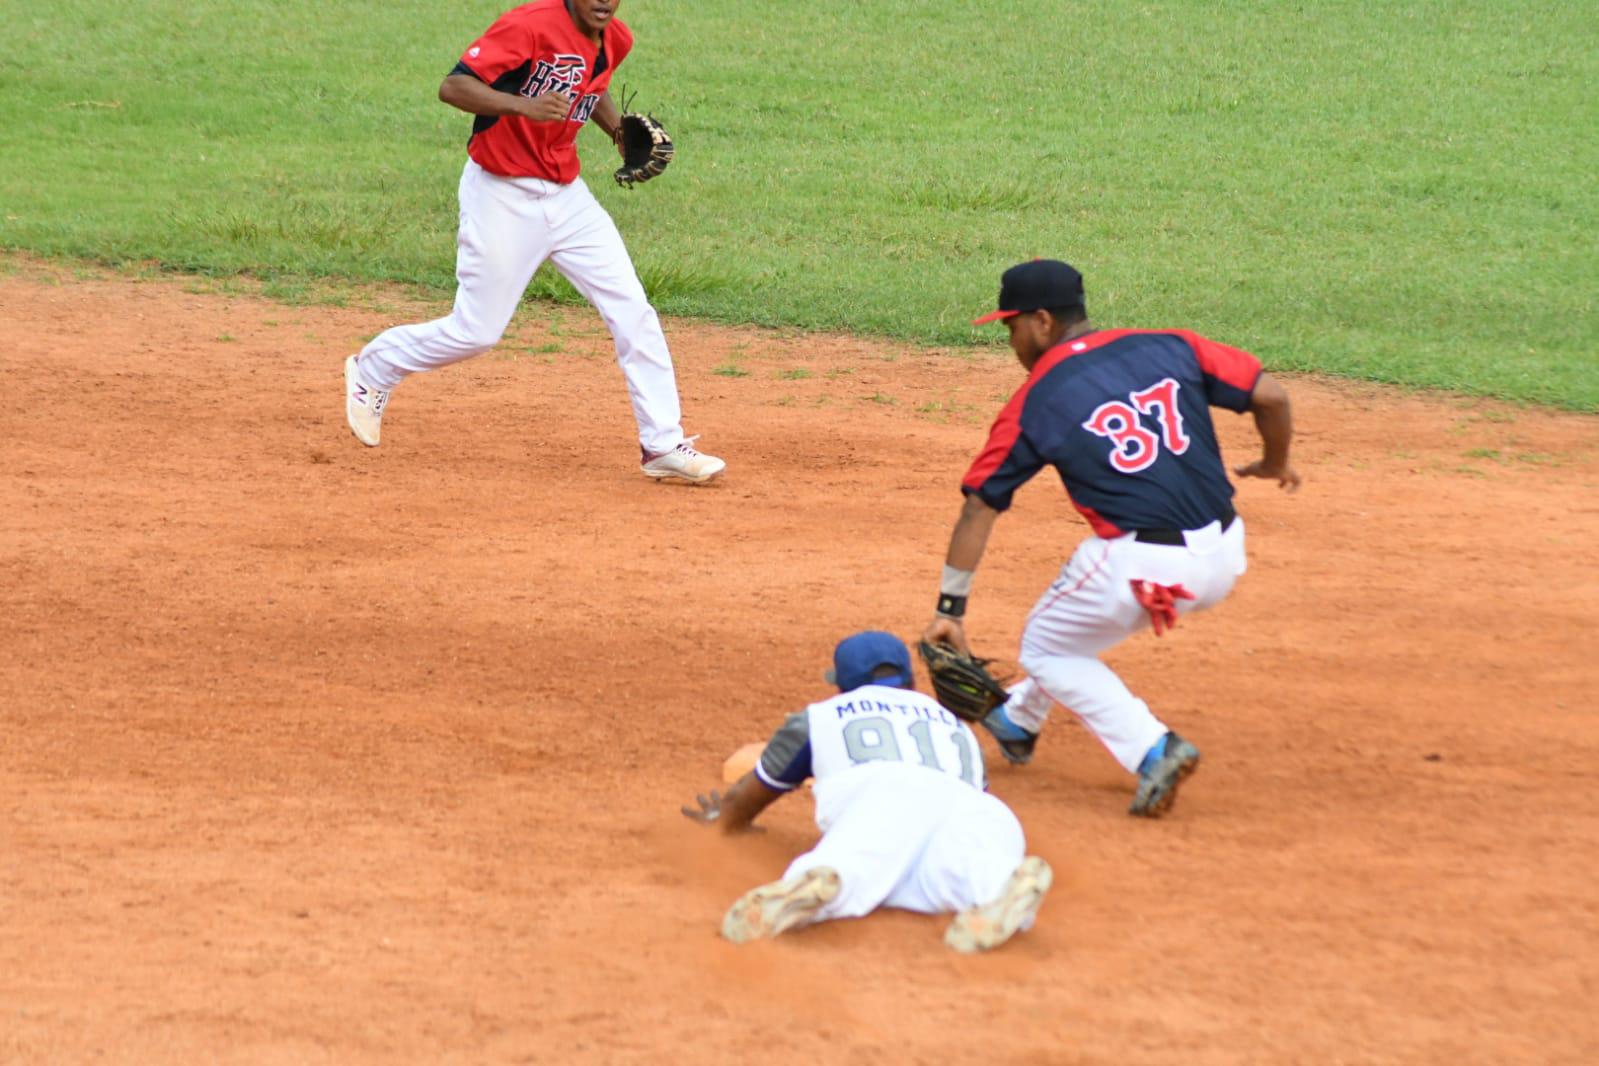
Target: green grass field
pixel 1396 191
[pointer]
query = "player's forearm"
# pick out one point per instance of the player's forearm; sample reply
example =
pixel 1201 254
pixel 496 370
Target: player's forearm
pixel 606 116
pixel 465 93
pixel 970 538
pixel 1274 420
pixel 748 797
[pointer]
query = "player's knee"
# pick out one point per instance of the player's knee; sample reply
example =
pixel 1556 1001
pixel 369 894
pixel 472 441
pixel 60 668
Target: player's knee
pixel 469 337
pixel 636 332
pixel 630 316
pixel 1033 661
pixel 1057 675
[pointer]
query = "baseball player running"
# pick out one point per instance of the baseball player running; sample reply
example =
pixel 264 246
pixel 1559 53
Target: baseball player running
pixel 539 73
pixel 900 801
pixel 1124 417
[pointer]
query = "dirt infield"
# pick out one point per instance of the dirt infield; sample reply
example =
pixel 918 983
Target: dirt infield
pixel 314 753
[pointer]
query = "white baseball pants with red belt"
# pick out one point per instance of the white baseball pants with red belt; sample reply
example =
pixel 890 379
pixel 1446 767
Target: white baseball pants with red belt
pixel 1091 608
pixel 509 226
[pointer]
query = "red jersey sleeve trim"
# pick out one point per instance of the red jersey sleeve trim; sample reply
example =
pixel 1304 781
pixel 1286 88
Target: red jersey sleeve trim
pixel 1001 439
pixel 1231 366
pixel 1101 526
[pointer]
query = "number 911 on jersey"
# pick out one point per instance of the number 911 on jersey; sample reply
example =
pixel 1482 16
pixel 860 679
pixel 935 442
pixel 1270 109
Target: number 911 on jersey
pixel 915 730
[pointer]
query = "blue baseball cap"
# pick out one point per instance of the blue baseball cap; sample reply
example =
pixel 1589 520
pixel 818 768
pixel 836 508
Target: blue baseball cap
pixel 856 657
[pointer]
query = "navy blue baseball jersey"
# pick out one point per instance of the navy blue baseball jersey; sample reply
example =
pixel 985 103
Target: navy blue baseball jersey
pixel 1124 416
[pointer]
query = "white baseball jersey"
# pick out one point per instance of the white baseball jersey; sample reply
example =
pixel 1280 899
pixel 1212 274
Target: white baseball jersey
pixel 869 725
pixel 901 802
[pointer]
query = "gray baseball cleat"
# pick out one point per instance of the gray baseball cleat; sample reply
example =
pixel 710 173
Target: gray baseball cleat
pixel 1015 742
pixel 782 905
pixel 990 925
pixel 1158 778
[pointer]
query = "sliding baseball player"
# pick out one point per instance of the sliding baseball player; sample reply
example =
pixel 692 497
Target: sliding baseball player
pixel 901 803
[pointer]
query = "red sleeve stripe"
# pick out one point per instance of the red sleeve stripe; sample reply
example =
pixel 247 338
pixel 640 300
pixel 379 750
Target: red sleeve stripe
pixel 1001 439
pixel 1101 526
pixel 1230 366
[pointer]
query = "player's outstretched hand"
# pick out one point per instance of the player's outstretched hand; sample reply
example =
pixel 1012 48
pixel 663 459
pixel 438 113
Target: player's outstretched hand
pixel 942 630
pixel 710 808
pixel 1286 477
pixel 710 812
pixel 552 106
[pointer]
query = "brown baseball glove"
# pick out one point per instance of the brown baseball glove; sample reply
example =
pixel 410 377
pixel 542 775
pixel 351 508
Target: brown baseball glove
pixel 962 684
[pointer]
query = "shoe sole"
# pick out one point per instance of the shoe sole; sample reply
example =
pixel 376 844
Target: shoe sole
pixel 672 475
pixel 1015 760
pixel 771 909
pixel 987 927
pixel 350 382
pixel 1162 800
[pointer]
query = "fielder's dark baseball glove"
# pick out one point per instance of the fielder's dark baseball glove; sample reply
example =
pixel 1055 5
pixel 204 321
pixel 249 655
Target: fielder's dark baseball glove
pixel 646 149
pixel 962 684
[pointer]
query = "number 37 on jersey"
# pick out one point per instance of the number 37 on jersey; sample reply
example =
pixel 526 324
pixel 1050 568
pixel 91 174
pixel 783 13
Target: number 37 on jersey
pixel 1133 447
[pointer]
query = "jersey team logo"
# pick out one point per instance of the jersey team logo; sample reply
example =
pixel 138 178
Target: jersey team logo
pixel 563 74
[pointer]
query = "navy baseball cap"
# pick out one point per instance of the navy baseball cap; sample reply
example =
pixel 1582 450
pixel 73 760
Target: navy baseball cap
pixel 856 657
pixel 1035 286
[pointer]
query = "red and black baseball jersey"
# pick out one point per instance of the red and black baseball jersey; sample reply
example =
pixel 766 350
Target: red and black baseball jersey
pixel 532 50
pixel 1124 416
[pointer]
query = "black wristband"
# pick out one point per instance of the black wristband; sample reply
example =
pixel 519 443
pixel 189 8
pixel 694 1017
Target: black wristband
pixel 951 606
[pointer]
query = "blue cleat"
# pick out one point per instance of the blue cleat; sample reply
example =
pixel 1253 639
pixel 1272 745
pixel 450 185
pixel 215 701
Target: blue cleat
pixel 1015 743
pixel 1163 769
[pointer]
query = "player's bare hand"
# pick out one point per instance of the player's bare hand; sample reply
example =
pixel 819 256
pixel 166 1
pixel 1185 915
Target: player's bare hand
pixel 1286 477
pixel 942 630
pixel 553 106
pixel 709 810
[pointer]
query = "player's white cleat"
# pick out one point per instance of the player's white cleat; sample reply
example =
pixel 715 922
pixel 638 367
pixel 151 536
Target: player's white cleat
pixel 683 463
pixel 1013 911
pixel 363 406
pixel 781 905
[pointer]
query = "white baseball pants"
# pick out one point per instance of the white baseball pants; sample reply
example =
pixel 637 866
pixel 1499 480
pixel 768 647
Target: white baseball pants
pixel 908 837
pixel 1091 608
pixel 509 226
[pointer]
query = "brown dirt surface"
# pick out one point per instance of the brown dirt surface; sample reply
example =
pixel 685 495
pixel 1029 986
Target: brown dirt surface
pixel 315 753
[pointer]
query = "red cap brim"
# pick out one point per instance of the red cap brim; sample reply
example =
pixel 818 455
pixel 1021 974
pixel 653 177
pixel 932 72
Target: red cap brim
pixel 993 316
